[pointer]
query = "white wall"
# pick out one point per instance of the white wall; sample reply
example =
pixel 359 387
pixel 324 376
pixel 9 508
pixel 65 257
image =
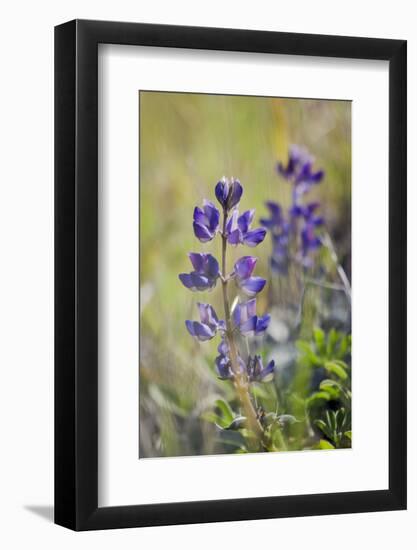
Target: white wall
pixel 26 289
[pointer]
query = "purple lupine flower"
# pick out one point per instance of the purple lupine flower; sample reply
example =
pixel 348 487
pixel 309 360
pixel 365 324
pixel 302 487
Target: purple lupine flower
pixel 243 275
pixel 257 372
pixel 239 232
pixel 276 218
pixel 310 241
pixel 299 168
pixel 209 325
pixel 206 221
pixel 247 321
pixel 205 274
pixel 228 192
pixel 223 363
pixel 287 231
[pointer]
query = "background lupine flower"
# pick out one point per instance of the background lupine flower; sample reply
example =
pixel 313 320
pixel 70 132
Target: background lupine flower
pixel 243 275
pixel 257 372
pixel 297 227
pixel 239 232
pixel 299 171
pixel 210 324
pixel 206 221
pixel 205 274
pixel 247 321
pixel 228 192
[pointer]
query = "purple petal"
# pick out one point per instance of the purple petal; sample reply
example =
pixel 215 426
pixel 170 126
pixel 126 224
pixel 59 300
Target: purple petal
pixel 317 176
pixel 253 238
pixel 186 280
pixel 244 267
pixel 198 261
pixel 208 315
pixel 195 281
pixel 190 327
pixel 267 374
pixel 252 286
pixel 318 221
pixel 275 209
pixel 223 347
pixel 199 216
pixel 245 220
pixel 310 209
pixel 232 222
pixel 235 237
pixel 262 324
pixel 235 194
pixel 200 331
pixel 244 311
pixel 223 367
pixel 221 191
pixel 296 211
pixel 202 233
pixel 212 267
pixel 249 325
pixel 212 214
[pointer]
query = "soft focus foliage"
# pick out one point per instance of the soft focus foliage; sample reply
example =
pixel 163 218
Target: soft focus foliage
pixel 187 142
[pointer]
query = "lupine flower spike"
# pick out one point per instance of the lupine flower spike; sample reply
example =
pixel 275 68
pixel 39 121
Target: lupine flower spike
pixel 234 230
pixel 298 227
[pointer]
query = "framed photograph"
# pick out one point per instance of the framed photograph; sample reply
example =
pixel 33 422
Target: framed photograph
pixel 230 248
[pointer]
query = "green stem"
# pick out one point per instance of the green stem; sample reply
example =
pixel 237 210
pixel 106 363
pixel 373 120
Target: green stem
pixel 240 380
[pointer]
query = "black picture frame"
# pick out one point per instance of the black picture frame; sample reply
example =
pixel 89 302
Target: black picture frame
pixel 76 272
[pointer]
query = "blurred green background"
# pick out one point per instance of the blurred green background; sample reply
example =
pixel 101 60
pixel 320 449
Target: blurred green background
pixel 187 143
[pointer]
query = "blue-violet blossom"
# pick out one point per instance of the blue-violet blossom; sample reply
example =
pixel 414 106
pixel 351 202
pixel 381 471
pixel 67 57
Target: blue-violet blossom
pixel 247 321
pixel 228 192
pixel 243 275
pixel 205 274
pixel 206 221
pixel 210 324
pixel 239 232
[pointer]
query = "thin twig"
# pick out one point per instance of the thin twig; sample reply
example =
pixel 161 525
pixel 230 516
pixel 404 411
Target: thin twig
pixel 327 241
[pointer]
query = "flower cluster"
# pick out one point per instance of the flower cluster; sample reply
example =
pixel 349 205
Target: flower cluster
pixel 234 230
pixel 294 233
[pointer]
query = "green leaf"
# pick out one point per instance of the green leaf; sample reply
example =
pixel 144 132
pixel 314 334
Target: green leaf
pixel 343 346
pixel 335 368
pixel 225 409
pixel 306 349
pixel 324 444
pixel 348 434
pixel 323 427
pixel 286 419
pixel 331 387
pixel 318 396
pixel 237 423
pixel 332 339
pixel 319 337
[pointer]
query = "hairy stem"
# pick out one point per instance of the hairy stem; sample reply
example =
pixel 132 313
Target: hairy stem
pixel 240 380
